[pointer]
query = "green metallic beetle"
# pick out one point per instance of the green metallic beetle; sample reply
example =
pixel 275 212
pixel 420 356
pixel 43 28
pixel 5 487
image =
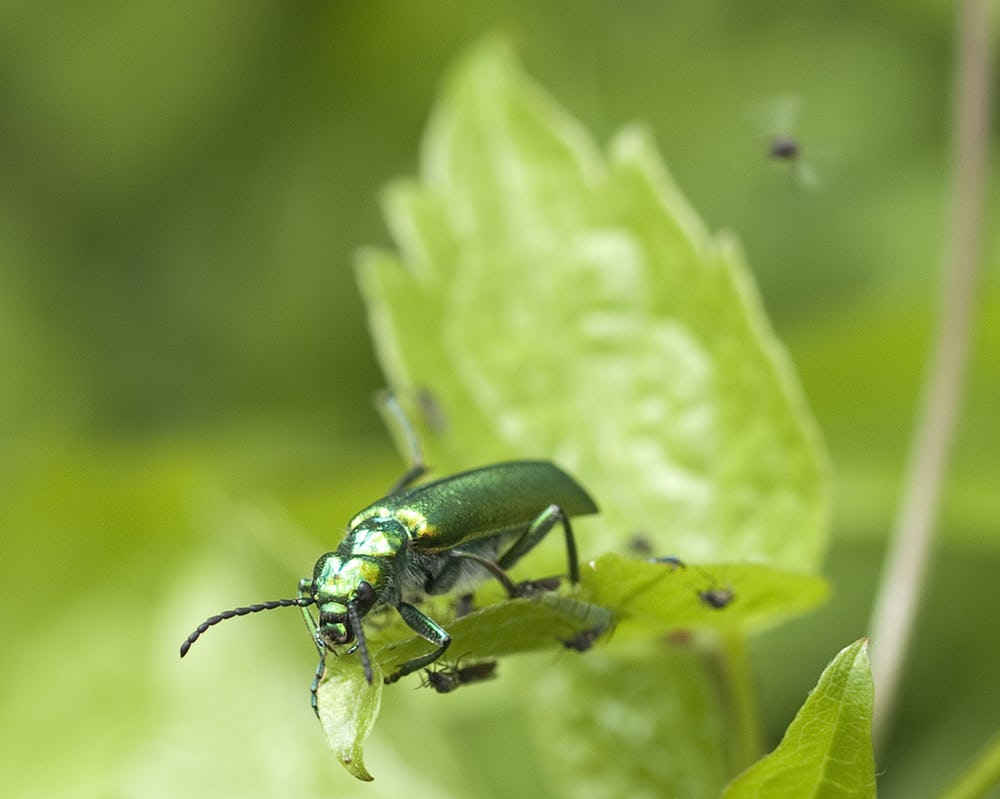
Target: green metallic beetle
pixel 428 539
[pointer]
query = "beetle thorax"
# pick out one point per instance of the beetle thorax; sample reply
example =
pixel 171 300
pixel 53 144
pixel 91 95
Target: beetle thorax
pixel 379 533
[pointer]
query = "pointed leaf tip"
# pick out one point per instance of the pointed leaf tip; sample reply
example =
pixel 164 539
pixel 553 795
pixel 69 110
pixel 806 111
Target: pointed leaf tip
pixel 827 749
pixel 348 707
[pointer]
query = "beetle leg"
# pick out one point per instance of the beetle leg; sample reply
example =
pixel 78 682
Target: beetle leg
pixel 396 420
pixel 492 568
pixel 305 590
pixel 546 520
pixel 429 630
pixel 314 688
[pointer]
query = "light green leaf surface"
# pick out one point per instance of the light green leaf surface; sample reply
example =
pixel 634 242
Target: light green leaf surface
pixel 661 596
pixel 827 749
pixel 624 596
pixel 520 625
pixel 548 301
pixel 348 707
pixel 636 719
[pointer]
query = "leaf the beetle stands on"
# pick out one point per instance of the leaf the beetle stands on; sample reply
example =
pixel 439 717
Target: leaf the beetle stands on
pixel 548 301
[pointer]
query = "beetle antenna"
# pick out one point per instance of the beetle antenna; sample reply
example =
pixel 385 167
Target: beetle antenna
pixel 359 633
pixel 300 602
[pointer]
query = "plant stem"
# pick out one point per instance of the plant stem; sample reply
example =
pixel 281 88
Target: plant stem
pixel 746 744
pixel 906 565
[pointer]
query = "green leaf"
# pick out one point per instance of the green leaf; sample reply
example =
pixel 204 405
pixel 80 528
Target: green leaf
pixel 506 628
pixel 632 719
pixel 348 707
pixel 663 596
pixel 548 301
pixel 827 749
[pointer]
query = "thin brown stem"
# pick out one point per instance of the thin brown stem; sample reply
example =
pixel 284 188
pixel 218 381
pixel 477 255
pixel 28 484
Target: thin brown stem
pixel 906 565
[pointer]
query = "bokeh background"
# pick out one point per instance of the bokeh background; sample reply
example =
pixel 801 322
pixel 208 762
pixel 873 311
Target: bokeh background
pixel 185 413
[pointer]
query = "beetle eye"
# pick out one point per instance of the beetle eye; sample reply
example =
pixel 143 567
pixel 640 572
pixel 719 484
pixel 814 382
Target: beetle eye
pixel 365 595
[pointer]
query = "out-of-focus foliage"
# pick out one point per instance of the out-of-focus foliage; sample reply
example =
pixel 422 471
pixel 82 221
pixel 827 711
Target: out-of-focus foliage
pixel 185 419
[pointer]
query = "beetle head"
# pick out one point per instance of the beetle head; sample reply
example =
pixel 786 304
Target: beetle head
pixel 344 590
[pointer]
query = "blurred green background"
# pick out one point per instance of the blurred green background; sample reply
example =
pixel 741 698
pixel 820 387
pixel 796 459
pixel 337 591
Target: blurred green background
pixel 186 415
